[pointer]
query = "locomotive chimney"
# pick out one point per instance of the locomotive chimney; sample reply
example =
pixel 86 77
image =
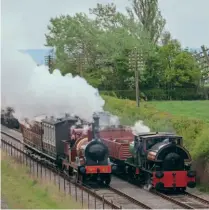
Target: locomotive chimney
pixel 95 126
pixel 67 115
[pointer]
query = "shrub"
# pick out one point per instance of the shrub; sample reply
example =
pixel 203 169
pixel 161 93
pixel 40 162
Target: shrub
pixel 195 132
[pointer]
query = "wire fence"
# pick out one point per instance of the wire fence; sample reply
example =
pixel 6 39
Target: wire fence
pixel 39 171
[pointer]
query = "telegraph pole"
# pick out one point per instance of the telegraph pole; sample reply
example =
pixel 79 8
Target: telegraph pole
pixel 81 61
pixel 49 62
pixel 206 54
pixel 203 60
pixel 136 64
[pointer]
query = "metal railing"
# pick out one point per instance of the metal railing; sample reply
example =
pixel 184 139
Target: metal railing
pixel 38 169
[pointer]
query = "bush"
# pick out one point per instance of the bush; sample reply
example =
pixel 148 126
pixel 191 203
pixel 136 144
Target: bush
pixel 201 147
pixel 195 132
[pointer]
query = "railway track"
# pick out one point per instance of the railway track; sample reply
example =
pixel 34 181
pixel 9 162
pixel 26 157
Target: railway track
pixel 186 200
pixel 129 198
pixel 197 198
pixel 121 200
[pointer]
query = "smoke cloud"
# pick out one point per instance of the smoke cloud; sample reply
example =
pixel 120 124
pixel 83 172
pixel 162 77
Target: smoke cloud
pixel 107 119
pixel 33 91
pixel 139 127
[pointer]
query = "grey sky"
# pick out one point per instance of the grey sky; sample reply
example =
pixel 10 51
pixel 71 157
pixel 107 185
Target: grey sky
pixel 25 21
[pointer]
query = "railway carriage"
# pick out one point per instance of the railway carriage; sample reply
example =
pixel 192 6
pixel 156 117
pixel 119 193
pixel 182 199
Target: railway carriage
pixel 45 137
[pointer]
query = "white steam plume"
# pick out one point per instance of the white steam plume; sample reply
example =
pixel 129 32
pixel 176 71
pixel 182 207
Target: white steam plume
pixel 139 127
pixel 33 91
pixel 106 119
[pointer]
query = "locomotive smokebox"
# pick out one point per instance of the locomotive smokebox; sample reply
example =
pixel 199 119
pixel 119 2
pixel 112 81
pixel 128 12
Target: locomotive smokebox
pixel 96 151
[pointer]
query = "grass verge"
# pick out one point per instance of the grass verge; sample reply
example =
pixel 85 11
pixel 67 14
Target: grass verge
pixel 20 191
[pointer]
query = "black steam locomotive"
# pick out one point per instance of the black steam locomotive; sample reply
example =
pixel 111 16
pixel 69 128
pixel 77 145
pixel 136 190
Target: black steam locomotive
pixel 8 119
pixel 163 162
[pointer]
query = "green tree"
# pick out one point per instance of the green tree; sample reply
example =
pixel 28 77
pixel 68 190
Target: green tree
pixel 121 32
pixel 179 67
pixel 73 37
pixel 171 67
pixel 149 16
pixel 165 38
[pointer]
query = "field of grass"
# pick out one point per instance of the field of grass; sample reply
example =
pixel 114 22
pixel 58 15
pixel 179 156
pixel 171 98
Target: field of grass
pixel 191 109
pixel 20 191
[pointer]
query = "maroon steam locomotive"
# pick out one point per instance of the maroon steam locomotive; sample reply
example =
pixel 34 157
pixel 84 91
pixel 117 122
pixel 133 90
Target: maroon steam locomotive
pixel 83 156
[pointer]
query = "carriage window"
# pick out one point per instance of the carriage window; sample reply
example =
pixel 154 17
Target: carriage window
pixel 50 134
pixel 47 133
pixel 53 135
pixel 44 131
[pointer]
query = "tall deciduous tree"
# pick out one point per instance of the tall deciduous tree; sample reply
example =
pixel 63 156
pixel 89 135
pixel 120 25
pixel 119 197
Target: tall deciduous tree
pixel 73 37
pixel 149 15
pixel 166 38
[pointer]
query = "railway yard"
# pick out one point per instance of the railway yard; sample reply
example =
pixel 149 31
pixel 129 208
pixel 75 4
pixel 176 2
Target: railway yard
pixel 119 194
pixel 108 110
